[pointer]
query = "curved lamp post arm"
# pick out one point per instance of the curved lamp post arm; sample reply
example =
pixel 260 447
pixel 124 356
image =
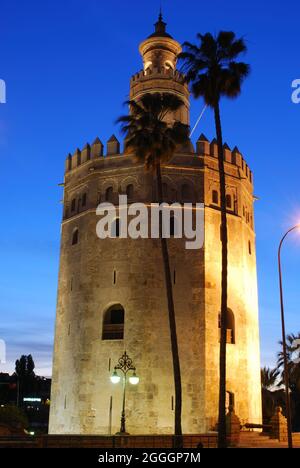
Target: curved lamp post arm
pixel 286 234
pixel 284 348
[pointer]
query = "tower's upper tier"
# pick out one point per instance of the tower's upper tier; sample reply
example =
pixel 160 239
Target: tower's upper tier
pixel 160 50
pixel 159 75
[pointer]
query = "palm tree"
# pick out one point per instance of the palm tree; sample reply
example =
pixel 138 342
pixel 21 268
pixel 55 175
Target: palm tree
pixel 269 378
pixel 270 392
pixel 152 137
pixel 213 71
pixel 293 358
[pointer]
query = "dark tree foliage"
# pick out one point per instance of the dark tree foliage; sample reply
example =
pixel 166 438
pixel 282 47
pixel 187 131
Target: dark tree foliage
pixel 26 378
pixel 293 356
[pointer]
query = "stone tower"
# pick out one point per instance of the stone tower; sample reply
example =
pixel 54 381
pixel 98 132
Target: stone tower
pixel 111 292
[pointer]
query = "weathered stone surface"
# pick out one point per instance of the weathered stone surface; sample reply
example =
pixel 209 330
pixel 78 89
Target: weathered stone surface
pixel 279 426
pixel 233 428
pixel 95 274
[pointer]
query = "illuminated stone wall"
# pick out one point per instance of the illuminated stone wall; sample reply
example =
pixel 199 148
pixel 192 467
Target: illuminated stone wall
pixel 95 274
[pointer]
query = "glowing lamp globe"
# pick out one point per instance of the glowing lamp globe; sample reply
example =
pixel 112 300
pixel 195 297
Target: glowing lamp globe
pixel 134 379
pixel 115 378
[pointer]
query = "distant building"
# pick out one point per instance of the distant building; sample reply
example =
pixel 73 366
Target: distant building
pixel 8 389
pixel 35 402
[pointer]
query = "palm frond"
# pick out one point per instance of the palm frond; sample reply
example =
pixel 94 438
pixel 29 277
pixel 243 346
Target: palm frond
pixel 149 135
pixel 211 67
pixel 269 378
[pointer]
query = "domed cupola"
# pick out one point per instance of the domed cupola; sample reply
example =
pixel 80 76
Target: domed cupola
pixel 160 28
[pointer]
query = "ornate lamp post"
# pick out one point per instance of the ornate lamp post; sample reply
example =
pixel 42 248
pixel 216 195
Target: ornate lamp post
pixel 124 365
pixel 285 360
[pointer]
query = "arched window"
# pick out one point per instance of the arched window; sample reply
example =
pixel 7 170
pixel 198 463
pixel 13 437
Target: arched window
pixel 185 192
pixel 83 200
pixel 250 247
pixel 230 327
pixel 73 204
pixel 113 323
pixel 169 65
pixel 129 191
pixel 109 194
pixel 75 237
pixel 115 228
pixel 148 66
pixel 215 197
pixel 235 206
pixel 229 201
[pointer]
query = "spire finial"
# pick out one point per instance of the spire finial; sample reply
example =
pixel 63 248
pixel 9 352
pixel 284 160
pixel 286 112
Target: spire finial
pixel 160 26
pixel 160 17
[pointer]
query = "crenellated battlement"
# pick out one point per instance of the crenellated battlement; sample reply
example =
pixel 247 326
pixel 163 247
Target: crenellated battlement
pixel 91 152
pixel 162 79
pixel 153 73
pixel 210 148
pixel 204 147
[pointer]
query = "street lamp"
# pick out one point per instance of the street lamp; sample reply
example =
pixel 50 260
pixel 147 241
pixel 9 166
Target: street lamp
pixel 124 365
pixel 115 378
pixel 285 361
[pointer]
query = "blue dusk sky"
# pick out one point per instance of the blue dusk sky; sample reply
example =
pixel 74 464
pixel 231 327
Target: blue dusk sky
pixel 67 66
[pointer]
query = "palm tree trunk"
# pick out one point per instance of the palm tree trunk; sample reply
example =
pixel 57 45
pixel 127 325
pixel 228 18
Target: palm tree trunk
pixel 172 320
pixel 224 241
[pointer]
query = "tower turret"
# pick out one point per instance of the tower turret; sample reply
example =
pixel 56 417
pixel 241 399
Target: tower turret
pixel 159 53
pixel 160 50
